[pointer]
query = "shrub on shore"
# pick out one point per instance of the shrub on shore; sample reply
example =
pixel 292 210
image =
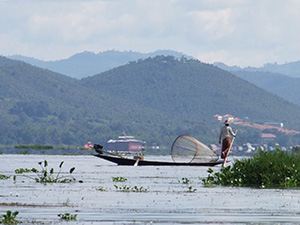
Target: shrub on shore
pixel 276 169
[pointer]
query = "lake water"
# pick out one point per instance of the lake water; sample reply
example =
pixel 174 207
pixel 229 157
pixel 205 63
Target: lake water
pixel 168 199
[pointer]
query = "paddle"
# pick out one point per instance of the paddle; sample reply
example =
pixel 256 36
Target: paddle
pixel 136 162
pixel 229 150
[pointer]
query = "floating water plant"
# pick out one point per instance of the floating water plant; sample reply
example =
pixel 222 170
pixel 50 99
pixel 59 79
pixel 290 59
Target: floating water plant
pixel 45 175
pixel 4 177
pixel 119 179
pixel 67 216
pixel 22 170
pixel 185 180
pixel 139 189
pixel 276 169
pixel 125 188
pixel 101 189
pixel 191 189
pixel 10 217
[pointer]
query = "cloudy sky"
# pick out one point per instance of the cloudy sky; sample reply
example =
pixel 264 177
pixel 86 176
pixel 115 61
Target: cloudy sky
pixel 236 32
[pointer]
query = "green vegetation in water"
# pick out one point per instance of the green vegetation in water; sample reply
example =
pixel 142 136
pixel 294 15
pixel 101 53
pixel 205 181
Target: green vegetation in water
pixel 185 180
pixel 191 189
pixel 45 176
pixel 101 189
pixel 37 147
pixel 10 217
pixel 276 169
pixel 119 179
pixel 22 170
pixel 126 188
pixel 4 177
pixel 67 216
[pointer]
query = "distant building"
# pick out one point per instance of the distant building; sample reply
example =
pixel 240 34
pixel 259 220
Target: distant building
pixel 274 124
pixel 236 119
pixel 228 117
pixel 219 117
pixel 268 136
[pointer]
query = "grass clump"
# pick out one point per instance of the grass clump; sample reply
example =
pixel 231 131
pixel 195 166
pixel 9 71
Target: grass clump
pixel 276 169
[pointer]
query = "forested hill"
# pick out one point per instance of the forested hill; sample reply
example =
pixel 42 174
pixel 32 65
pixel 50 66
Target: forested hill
pixel 155 99
pixel 278 84
pixel 192 90
pixel 38 106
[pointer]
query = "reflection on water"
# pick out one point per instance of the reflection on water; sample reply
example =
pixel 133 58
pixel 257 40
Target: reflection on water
pixel 169 198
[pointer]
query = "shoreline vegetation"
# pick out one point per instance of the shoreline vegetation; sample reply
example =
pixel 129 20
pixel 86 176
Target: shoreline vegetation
pixel 44 149
pixel 41 147
pixel 36 147
pixel 273 169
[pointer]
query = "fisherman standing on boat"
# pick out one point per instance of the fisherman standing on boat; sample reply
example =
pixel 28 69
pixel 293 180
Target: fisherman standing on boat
pixel 225 133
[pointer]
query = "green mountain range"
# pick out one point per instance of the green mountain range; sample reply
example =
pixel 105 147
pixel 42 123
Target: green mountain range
pixel 155 99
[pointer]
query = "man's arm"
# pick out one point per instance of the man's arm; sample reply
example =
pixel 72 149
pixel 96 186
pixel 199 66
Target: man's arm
pixel 231 132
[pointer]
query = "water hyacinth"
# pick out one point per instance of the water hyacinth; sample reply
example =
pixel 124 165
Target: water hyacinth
pixel 46 175
pixel 276 169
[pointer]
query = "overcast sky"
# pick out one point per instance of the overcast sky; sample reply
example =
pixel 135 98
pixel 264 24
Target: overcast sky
pixel 236 32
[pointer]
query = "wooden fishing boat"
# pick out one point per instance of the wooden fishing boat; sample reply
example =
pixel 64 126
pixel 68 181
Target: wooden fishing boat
pixel 140 162
pixel 194 152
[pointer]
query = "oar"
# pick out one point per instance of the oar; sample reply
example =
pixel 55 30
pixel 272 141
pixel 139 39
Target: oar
pixel 229 150
pixel 137 162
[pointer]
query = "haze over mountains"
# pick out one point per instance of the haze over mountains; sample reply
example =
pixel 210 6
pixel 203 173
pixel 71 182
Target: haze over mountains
pixel 155 99
pixel 86 64
pixel 291 69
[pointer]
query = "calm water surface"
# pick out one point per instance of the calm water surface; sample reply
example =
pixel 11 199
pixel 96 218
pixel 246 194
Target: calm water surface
pixel 167 200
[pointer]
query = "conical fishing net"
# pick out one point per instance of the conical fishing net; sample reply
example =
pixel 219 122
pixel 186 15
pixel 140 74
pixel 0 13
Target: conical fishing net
pixel 189 150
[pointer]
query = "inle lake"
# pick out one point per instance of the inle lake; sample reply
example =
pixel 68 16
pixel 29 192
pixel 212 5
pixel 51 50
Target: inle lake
pixel 105 193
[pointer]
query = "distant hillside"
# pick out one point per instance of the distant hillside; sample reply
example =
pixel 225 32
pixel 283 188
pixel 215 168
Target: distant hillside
pixel 291 69
pixel 280 85
pixel 88 63
pixel 191 89
pixel 38 106
pixel 155 99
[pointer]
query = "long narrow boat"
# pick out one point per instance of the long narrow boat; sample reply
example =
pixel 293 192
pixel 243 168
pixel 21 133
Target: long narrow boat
pixel 140 162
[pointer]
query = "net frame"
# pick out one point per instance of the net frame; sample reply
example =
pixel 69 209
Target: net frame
pixel 188 149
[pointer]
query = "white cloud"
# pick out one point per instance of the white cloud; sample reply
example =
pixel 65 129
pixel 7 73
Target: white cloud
pixel 242 32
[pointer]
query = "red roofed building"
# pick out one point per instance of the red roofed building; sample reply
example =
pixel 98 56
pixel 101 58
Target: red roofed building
pixel 268 136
